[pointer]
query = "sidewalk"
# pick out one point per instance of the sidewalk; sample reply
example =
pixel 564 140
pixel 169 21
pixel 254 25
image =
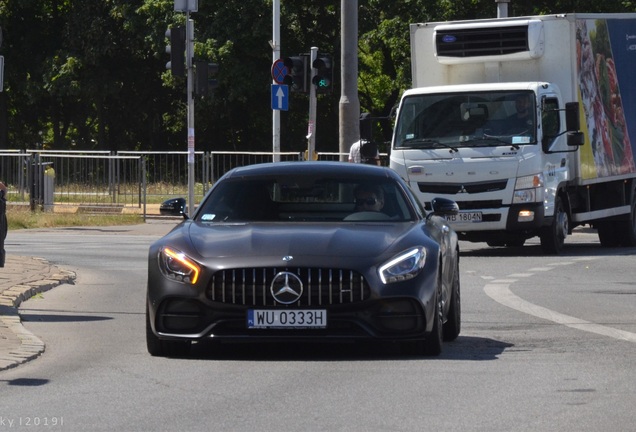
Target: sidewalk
pixel 20 279
pixel 24 277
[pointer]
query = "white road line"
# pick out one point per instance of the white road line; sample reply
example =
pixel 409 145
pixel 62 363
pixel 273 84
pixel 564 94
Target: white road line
pixel 500 292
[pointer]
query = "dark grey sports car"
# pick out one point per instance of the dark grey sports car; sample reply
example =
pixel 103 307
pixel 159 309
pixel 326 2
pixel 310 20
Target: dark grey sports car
pixel 306 251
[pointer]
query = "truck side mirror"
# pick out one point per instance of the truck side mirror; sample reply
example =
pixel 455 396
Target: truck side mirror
pixel 576 139
pixel 572 123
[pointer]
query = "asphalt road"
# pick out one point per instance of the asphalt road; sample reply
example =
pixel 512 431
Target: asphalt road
pixel 547 344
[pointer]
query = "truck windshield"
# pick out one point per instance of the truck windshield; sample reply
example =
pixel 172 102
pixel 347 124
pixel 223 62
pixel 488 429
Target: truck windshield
pixel 476 119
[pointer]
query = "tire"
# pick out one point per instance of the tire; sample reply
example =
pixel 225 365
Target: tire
pixel 628 228
pixel 515 243
pixel 433 343
pixel 608 234
pixel 553 237
pixel 453 323
pixel 164 348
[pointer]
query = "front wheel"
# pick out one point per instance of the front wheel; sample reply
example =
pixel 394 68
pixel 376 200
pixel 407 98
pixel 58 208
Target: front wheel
pixel 553 237
pixel 433 343
pixel 453 323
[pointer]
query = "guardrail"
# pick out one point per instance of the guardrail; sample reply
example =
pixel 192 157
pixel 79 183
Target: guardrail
pixel 119 182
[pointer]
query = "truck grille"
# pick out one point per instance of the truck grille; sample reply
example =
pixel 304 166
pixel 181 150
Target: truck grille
pixel 486 41
pixel 456 188
pixel 321 287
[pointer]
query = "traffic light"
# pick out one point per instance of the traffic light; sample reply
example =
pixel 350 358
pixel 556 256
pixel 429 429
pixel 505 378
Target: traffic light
pixel 323 80
pixel 204 73
pixel 176 49
pixel 297 69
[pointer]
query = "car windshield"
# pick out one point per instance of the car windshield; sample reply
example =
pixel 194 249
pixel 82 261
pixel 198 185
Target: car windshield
pixel 475 119
pixel 305 198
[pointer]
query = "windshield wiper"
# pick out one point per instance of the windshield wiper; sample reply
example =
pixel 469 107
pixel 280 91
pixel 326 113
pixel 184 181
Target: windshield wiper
pixel 421 142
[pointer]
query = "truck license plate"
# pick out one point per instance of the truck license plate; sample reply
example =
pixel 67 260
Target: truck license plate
pixel 299 319
pixel 465 217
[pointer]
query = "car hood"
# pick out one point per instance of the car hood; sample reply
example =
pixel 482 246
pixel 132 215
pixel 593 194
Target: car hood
pixel 298 239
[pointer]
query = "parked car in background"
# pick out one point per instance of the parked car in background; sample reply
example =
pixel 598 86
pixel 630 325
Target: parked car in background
pixel 306 251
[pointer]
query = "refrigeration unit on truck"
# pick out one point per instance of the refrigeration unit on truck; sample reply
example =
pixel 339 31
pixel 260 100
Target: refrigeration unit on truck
pixel 569 162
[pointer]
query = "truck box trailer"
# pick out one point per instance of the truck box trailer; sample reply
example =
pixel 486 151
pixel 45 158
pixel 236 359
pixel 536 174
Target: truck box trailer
pixel 528 123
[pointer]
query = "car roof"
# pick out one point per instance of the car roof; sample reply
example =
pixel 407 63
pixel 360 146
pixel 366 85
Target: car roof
pixel 345 169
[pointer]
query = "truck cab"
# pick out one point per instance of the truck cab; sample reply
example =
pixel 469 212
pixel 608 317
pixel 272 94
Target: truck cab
pixel 494 148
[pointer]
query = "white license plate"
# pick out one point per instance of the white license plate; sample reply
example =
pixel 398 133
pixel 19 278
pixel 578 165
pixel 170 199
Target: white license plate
pixel 278 318
pixel 465 217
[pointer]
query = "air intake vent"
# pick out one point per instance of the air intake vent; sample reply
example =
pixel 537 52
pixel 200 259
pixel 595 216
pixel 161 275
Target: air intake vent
pixel 498 41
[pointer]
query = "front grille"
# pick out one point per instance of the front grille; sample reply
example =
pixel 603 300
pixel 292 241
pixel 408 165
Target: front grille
pixel 478 205
pixel 456 188
pixel 321 286
pixel 487 41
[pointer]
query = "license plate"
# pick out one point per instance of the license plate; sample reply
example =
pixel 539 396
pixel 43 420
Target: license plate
pixel 465 217
pixel 278 318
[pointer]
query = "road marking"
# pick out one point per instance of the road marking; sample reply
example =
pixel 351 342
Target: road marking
pixel 499 291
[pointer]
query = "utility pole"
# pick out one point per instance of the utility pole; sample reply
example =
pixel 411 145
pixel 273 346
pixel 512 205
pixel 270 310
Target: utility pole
pixel 190 90
pixel 349 113
pixel 275 44
pixel 188 6
pixel 311 129
pixel 502 8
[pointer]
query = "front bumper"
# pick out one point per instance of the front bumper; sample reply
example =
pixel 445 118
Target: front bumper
pixel 191 319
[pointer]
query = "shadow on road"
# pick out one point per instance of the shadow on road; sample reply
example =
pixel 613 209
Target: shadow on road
pixel 463 348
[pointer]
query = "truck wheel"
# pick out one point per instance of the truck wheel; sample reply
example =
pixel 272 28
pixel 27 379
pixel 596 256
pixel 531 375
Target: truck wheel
pixel 553 237
pixel 608 234
pixel 628 237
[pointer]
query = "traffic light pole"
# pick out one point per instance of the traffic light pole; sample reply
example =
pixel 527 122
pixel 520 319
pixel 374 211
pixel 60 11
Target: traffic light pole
pixel 311 133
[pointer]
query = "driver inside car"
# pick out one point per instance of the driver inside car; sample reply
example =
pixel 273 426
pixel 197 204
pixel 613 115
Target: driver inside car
pixel 369 198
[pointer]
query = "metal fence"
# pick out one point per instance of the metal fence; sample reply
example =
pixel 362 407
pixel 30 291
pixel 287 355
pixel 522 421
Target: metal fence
pixel 119 182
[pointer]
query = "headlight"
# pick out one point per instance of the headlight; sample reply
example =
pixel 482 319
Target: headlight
pixel 404 266
pixel 527 189
pixel 178 266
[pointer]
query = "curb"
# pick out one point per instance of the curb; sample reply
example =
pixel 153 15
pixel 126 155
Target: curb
pixel 30 346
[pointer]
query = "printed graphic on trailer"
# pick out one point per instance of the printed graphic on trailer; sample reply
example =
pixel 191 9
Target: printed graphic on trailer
pixel 605 51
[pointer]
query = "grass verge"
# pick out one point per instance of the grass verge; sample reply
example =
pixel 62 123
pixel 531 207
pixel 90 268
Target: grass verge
pixel 26 219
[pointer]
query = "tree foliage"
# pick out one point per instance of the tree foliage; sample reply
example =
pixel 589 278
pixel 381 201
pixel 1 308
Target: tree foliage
pixel 90 74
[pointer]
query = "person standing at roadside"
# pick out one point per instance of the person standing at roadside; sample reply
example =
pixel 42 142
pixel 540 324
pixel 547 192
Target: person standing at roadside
pixel 358 153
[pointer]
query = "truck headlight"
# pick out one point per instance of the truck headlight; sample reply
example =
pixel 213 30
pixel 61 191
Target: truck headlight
pixel 404 266
pixel 527 189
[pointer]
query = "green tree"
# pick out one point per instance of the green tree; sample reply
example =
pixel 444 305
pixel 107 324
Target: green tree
pixel 90 74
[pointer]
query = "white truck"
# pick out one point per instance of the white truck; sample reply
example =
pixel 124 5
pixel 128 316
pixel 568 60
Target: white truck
pixel 569 162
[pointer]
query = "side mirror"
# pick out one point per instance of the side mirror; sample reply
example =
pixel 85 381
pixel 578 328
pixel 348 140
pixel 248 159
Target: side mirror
pixel 173 207
pixel 444 207
pixel 572 123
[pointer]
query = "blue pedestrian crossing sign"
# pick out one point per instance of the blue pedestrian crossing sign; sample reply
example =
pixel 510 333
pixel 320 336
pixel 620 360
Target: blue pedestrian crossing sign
pixel 280 97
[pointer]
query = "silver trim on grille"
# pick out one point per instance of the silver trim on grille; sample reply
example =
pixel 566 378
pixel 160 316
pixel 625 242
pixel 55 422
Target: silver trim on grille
pixel 251 287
